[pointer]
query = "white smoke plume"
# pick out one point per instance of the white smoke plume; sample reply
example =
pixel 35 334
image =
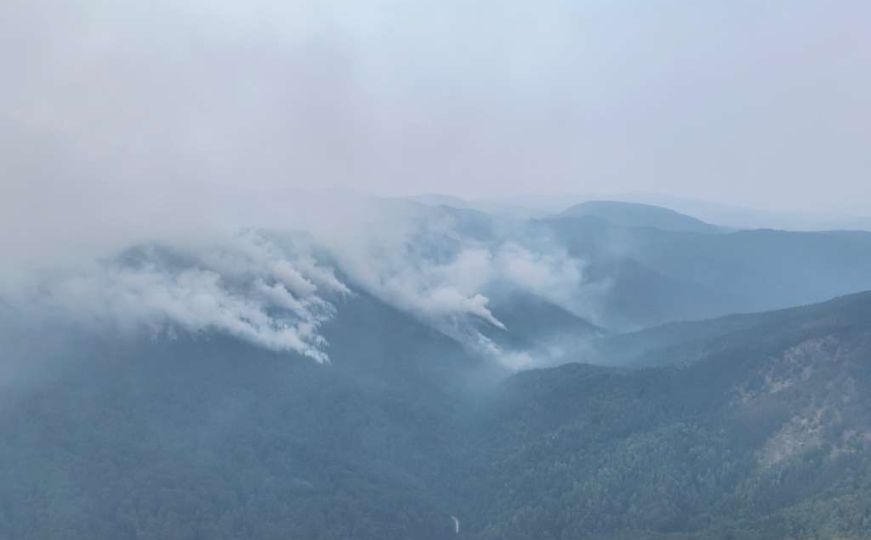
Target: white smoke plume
pixel 276 287
pixel 248 288
pixel 437 267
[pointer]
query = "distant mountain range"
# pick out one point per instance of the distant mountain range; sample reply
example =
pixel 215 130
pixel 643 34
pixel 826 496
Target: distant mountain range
pixel 592 374
pixel 657 266
pixel 724 215
pixel 626 214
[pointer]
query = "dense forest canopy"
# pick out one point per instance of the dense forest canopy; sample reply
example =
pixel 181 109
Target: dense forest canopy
pixel 515 418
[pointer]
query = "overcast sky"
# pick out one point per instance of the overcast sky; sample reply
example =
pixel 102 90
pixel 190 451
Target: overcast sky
pixel 164 111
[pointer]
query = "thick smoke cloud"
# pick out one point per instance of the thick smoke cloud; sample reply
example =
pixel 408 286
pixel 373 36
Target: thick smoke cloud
pixel 439 267
pixel 247 288
pixel 454 288
pixel 277 288
pixel 180 123
pixel 156 116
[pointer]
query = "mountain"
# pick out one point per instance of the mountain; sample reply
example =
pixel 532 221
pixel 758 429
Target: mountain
pixel 544 332
pixel 644 276
pixel 209 436
pixel 628 214
pixel 753 426
pixel 686 342
pixel 764 433
pixel 643 265
pixel 746 218
pixel 444 373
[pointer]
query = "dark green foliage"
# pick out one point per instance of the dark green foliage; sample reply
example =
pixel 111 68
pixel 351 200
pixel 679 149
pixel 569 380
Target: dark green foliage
pixel 206 437
pixel 699 451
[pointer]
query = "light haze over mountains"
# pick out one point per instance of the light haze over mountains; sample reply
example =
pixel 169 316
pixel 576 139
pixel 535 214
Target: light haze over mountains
pixel 383 269
pixel 416 370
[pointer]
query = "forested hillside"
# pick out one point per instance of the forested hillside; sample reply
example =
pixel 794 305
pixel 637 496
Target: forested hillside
pixel 757 437
pixel 763 432
pixel 641 272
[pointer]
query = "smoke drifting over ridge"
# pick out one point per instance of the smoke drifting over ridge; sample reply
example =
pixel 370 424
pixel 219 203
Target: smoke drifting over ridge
pixel 181 123
pixel 247 288
pixel 276 288
pixel 131 114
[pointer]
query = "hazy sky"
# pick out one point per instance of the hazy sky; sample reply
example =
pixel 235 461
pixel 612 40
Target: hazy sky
pixel 165 111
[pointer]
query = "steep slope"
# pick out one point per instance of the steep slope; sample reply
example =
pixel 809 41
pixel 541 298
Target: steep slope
pixel 543 332
pixel 207 436
pixel 147 397
pixel 645 276
pixel 767 434
pixel 758 427
pixel 687 342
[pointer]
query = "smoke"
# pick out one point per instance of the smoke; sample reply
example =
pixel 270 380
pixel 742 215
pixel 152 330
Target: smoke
pixel 458 286
pixel 248 288
pixel 180 124
pixel 277 287
pixel 444 266
pixel 158 116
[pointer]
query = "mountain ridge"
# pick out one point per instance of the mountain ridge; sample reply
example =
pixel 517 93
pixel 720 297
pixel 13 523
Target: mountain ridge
pixel 630 214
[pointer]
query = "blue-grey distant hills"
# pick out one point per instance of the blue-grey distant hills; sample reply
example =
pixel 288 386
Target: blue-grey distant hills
pixel 645 265
pixel 651 265
pixel 627 214
pixel 609 375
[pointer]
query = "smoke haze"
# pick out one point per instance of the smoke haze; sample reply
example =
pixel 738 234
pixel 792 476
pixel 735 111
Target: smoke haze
pixel 182 124
pixel 125 116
